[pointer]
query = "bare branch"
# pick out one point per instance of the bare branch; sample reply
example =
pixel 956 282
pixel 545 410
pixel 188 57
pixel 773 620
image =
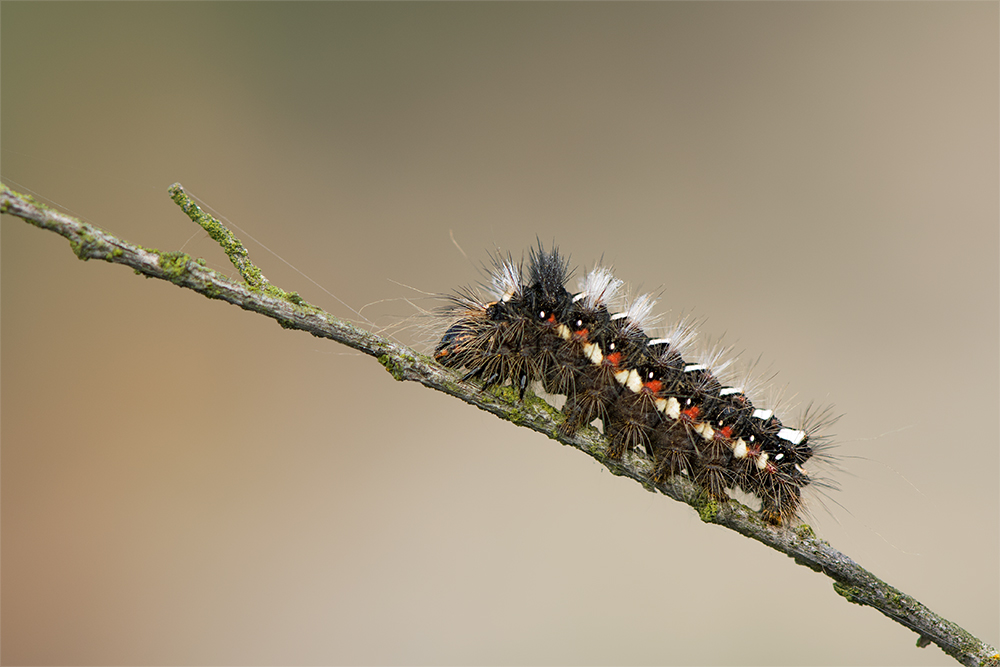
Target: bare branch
pixel 851 581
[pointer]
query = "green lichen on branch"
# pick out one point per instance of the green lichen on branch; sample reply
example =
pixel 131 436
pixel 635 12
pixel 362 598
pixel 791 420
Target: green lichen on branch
pixel 805 532
pixel 393 366
pixel 8 201
pixel 708 508
pixel 231 245
pixel 174 265
pixel 235 250
pixel 849 593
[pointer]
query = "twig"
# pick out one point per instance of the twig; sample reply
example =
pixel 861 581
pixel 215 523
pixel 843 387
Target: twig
pixel 256 294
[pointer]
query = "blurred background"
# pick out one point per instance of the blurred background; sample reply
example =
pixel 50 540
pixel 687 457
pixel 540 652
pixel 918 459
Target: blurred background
pixel 184 482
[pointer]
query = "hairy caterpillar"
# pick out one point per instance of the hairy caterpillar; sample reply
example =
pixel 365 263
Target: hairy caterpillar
pixel 648 393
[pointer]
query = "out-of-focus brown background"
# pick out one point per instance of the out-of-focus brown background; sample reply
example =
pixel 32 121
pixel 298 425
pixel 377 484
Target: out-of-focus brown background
pixel 187 483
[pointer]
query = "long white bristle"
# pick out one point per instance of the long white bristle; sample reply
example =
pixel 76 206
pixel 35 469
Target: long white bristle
pixel 506 280
pixel 599 287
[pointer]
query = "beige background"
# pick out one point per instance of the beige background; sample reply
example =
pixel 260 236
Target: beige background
pixel 187 483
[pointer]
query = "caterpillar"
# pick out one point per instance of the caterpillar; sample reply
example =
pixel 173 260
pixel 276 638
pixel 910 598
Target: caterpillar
pixel 650 396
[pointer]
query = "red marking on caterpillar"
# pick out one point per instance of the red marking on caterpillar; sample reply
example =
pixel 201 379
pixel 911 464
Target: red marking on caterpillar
pixel 650 400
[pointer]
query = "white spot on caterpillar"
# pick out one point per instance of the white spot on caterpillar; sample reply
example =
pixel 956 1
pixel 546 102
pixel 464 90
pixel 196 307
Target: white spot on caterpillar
pixel 691 368
pixel 740 449
pixel 634 382
pixel 581 295
pixel 762 460
pixel 658 341
pixel 593 352
pixel 661 404
pixel 801 469
pixel 791 435
pixel 729 391
pixel 763 415
pixel 564 332
pixel 705 430
pixel 672 408
pixel 619 316
pixel 622 377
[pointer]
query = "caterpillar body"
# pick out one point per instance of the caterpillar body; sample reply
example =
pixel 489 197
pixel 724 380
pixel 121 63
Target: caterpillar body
pixel 650 398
